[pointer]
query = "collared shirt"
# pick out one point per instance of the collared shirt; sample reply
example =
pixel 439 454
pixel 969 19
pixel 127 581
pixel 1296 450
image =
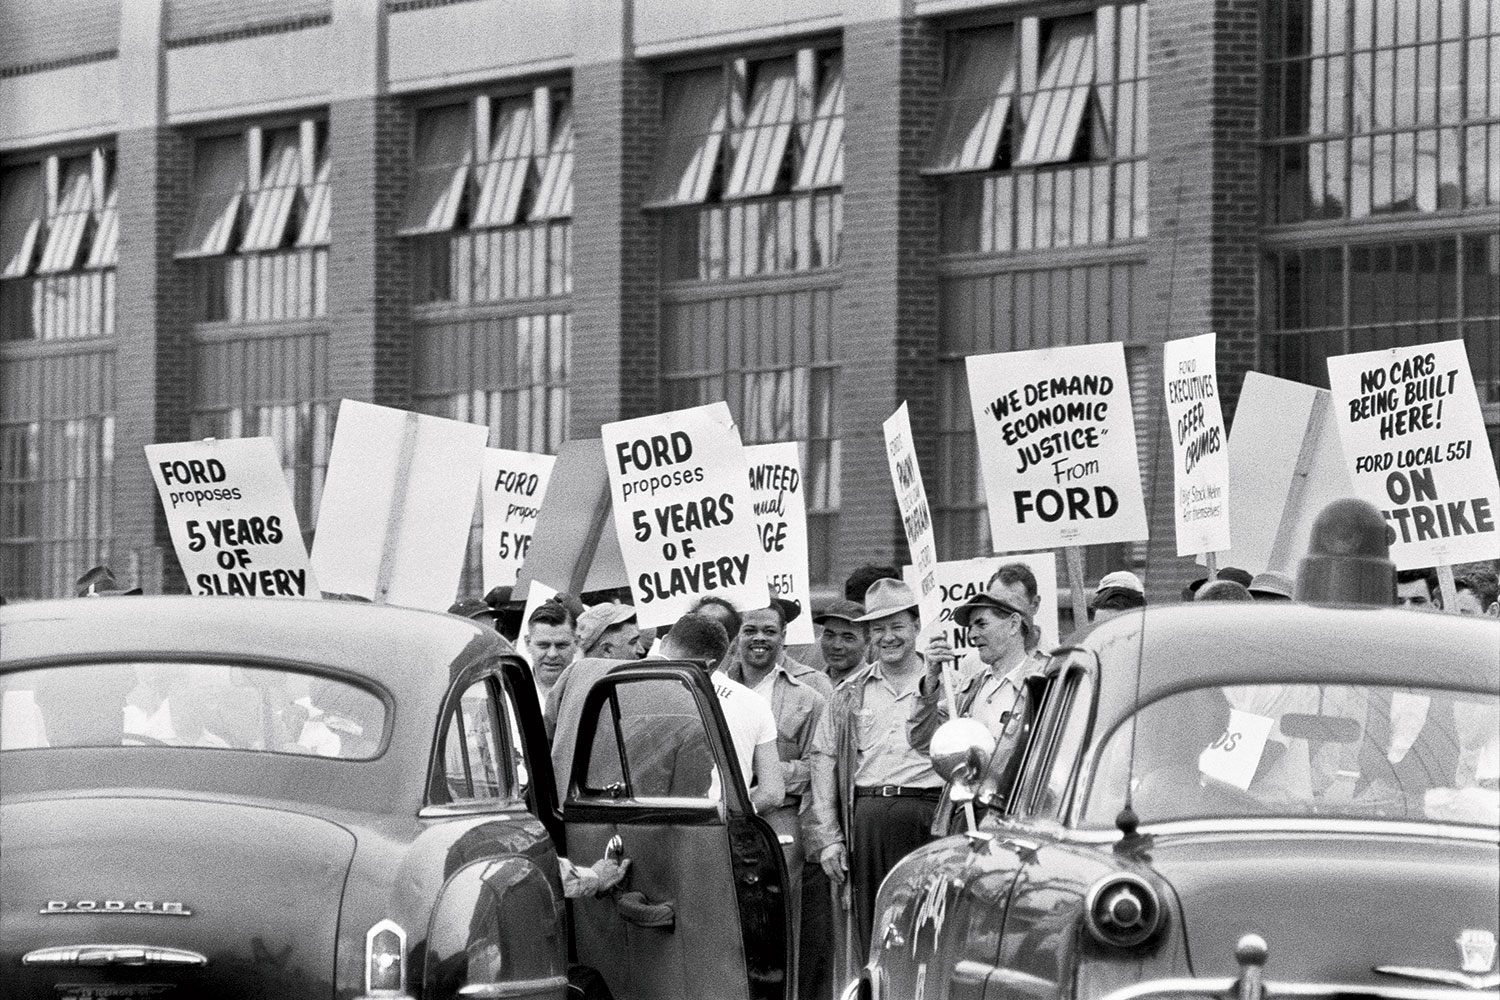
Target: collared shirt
pixel 997 697
pixel 885 756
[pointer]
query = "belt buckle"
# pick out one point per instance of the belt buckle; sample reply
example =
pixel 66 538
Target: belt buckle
pixel 890 791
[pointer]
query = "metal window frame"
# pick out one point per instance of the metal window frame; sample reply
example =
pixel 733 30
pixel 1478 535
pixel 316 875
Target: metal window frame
pixel 23 206
pixel 315 230
pixel 1064 93
pixel 271 202
pixel 977 102
pixel 444 161
pixel 502 177
pixel 823 142
pixel 554 199
pixel 763 141
pixel 220 181
pixel 71 218
pixel 696 118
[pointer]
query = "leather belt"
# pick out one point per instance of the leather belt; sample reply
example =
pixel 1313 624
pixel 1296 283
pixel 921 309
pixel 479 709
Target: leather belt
pixel 897 792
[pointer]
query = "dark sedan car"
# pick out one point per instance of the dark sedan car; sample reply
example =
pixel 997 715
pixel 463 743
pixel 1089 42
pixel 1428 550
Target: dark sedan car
pixel 1193 777
pixel 242 798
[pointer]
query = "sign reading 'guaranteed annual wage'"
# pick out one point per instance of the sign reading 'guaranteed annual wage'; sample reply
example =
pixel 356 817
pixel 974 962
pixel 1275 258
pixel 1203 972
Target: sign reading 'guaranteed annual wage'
pixel 514 484
pixel 680 486
pixel 781 517
pixel 1415 445
pixel 1200 445
pixel 916 515
pixel 231 517
pixel 1057 446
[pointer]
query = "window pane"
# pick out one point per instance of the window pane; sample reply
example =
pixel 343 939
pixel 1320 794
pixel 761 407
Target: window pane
pixel 444 151
pixel 976 106
pixel 1064 85
pixel 219 183
pixel 695 117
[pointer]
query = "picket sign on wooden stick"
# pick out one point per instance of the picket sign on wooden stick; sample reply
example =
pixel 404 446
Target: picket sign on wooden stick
pixel 1448 587
pixel 1075 580
pixel 1212 561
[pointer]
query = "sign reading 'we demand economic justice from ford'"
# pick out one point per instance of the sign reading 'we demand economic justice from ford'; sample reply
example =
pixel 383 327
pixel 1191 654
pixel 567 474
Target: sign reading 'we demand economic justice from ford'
pixel 1057 446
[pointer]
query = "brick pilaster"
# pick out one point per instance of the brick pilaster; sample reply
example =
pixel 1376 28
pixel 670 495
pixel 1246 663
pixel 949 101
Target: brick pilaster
pixel 887 327
pixel 616 295
pixel 369 269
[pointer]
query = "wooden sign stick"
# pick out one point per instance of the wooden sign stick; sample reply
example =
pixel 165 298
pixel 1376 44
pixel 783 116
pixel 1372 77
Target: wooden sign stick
pixel 1448 588
pixel 1075 579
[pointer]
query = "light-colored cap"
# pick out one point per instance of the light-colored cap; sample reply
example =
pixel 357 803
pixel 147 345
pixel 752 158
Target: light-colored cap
pixel 596 620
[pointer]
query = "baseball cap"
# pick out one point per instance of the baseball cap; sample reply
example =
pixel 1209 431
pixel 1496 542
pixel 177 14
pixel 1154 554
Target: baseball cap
pixel 1273 585
pixel 963 611
pixel 472 607
pixel 849 611
pixel 595 621
pixel 1119 580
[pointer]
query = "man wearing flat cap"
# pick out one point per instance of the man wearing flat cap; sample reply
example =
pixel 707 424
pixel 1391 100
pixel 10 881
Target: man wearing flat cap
pixel 873 795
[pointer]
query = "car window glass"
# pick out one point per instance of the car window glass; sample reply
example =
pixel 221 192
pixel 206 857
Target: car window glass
pixel 189 705
pixel 474 747
pixel 649 742
pixel 522 775
pixel 1305 750
pixel 1065 745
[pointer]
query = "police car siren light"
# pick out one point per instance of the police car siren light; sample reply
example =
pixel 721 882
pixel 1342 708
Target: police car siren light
pixel 1348 558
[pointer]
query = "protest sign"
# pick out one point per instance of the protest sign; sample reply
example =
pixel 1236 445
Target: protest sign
pixel 1057 446
pixel 514 484
pixel 574 547
pixel 1415 447
pixel 1200 445
pixel 397 505
pixel 231 517
pixel 680 488
pixel 1285 466
pixel 916 515
pixel 960 580
pixel 781 518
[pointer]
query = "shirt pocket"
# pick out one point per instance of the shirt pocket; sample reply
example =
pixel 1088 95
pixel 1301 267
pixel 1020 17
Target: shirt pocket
pixel 865 735
pixel 792 732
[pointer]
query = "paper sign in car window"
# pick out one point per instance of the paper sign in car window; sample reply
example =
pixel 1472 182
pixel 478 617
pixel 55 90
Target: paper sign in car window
pixel 1415 444
pixel 398 503
pixel 776 487
pixel 1234 756
pixel 515 483
pixel 680 487
pixel 231 517
pixel 1056 436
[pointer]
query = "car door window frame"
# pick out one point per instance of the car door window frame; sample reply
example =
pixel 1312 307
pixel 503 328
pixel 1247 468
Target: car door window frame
pixel 440 801
pixel 1077 677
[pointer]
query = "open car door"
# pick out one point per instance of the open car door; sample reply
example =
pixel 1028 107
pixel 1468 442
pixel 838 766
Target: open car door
pixel 703 910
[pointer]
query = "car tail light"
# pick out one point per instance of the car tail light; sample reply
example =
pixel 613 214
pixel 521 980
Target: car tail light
pixel 1124 911
pixel 385 960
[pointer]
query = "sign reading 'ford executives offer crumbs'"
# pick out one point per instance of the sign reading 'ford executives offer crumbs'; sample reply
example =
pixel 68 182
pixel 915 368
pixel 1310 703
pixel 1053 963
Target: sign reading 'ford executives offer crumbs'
pixel 680 486
pixel 1057 446
pixel 231 517
pixel 1200 445
pixel 1414 442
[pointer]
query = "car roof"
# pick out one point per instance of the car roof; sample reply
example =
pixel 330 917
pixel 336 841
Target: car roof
pixel 1186 646
pixel 411 653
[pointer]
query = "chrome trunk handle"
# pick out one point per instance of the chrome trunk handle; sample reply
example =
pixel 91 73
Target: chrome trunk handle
pixel 114 954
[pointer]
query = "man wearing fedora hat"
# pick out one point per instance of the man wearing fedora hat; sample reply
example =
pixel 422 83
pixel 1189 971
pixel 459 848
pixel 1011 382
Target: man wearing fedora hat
pixel 999 628
pixel 873 795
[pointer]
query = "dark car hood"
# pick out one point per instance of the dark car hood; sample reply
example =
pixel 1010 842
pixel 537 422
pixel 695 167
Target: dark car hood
pixel 1332 904
pixel 263 886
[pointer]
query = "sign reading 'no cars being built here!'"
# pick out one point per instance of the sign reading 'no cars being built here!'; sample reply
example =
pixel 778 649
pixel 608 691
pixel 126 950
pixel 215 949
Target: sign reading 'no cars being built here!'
pixel 1057 445
pixel 680 485
pixel 231 517
pixel 1415 445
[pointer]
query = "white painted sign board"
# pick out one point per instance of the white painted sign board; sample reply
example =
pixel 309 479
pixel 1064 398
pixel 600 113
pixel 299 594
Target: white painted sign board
pixel 776 487
pixel 515 483
pixel 916 514
pixel 1200 445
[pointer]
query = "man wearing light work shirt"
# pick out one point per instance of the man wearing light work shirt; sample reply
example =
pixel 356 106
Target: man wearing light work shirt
pixel 873 795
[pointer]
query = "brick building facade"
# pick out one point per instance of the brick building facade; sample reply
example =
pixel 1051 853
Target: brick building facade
pixel 221 218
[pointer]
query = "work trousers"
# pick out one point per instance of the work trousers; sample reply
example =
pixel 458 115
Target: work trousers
pixel 885 831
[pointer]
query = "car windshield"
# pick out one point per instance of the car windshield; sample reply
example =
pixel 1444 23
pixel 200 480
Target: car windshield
pixel 1406 753
pixel 266 709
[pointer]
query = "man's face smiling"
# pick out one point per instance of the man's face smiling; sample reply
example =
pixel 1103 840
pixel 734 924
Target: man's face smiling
pixel 894 638
pixel 843 645
pixel 761 639
pixel 551 648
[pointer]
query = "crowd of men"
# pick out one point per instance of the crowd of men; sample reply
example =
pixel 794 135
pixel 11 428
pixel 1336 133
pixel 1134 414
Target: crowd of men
pixel 833 738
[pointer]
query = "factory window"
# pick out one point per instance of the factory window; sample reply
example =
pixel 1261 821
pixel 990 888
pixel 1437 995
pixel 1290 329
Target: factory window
pixel 1041 140
pixel 259 228
pixel 59 242
pixel 750 167
pixel 1379 108
pixel 491 198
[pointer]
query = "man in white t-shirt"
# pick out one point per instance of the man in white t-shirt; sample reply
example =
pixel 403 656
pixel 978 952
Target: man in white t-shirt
pixel 752 727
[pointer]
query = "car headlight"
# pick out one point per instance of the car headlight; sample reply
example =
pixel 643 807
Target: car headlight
pixel 1123 910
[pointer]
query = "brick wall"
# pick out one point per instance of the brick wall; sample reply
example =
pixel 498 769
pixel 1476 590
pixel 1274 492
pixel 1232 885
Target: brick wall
pixel 887 328
pixel 617 112
pixel 153 364
pixel 369 270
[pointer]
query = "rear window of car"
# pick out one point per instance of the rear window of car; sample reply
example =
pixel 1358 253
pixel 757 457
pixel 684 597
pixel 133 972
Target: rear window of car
pixel 189 705
pixel 1354 751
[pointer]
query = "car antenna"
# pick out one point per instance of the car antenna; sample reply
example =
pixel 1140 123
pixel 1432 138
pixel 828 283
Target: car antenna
pixel 1131 841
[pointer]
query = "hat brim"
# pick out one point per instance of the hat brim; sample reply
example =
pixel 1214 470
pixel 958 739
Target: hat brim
pixel 790 610
pixel 887 612
pixel 822 619
pixel 985 602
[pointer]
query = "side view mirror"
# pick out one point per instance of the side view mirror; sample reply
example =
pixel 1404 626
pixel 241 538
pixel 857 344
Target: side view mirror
pixel 961 750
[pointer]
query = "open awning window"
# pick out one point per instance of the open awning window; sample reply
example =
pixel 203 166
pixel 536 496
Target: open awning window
pixel 71 220
pixel 977 103
pixel 272 200
pixel 23 203
pixel 1064 93
pixel 314 231
pixel 220 183
pixel 105 250
pixel 444 159
pixel 823 138
pixel 506 171
pixel 554 199
pixel 761 152
pixel 696 116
